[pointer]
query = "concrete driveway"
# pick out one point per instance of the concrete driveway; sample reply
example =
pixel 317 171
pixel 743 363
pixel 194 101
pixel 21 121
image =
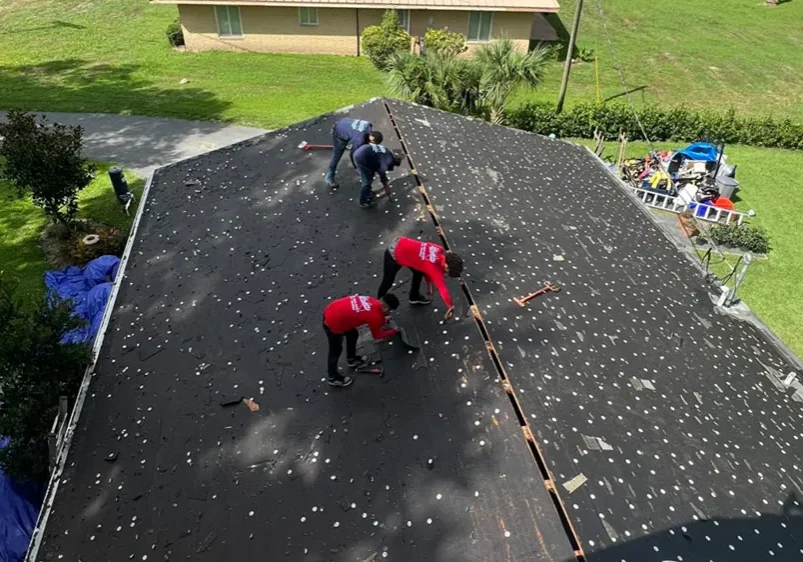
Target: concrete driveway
pixel 142 144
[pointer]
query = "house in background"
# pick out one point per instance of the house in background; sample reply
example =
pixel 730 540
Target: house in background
pixel 334 27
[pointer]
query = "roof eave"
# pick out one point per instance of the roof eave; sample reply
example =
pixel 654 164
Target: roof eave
pixel 353 5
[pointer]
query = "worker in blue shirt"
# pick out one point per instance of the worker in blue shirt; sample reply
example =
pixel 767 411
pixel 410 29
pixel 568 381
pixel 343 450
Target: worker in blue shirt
pixel 345 131
pixel 374 159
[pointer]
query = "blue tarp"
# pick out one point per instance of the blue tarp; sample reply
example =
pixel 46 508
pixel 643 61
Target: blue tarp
pixel 19 507
pixel 89 289
pixel 700 151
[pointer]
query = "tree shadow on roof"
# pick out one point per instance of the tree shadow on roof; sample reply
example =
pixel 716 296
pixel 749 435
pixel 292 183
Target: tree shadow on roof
pixel 767 536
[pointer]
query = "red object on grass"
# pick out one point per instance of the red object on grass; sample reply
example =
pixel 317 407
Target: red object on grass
pixel 723 203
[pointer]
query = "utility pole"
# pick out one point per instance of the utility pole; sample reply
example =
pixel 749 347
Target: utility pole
pixel 568 67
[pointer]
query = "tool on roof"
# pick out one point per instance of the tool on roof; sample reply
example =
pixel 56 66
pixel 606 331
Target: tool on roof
pixel 547 288
pixel 307 146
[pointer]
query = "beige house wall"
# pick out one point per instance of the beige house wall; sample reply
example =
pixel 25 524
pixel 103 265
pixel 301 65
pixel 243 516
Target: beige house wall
pixel 278 30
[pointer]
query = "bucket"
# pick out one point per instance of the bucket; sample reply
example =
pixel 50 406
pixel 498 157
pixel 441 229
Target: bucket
pixel 727 187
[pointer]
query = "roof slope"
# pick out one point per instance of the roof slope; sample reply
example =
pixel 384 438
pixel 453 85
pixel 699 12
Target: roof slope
pixel 549 6
pixel 674 413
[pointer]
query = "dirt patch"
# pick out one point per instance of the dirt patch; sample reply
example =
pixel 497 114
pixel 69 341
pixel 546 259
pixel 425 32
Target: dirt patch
pixel 64 247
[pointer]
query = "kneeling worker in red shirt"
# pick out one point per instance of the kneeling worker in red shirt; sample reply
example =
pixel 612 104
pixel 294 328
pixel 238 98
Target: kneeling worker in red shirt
pixel 342 317
pixel 426 260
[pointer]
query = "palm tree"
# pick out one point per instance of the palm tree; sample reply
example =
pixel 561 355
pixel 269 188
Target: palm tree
pixel 503 69
pixel 446 83
pixel 479 86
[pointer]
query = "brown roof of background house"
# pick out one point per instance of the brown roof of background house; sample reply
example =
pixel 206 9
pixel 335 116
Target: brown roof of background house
pixel 479 5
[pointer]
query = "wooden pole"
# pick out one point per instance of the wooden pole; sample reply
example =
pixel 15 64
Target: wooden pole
pixel 568 67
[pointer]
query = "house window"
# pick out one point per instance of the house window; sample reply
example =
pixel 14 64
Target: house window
pixel 404 19
pixel 479 26
pixel 229 23
pixel 308 16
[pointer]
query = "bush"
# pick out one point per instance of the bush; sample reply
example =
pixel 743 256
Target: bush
pixel 445 42
pixel 751 238
pixel 381 41
pixel 584 55
pixel 673 124
pixel 35 371
pixel 45 160
pixel 175 34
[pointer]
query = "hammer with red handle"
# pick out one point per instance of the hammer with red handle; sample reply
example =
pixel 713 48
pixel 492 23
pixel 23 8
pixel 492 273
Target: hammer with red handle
pixel 307 146
pixel 547 288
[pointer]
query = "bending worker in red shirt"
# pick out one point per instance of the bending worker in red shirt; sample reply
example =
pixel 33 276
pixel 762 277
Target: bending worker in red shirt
pixel 342 317
pixel 426 260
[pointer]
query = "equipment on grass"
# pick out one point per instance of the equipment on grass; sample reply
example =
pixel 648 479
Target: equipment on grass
pixel 305 146
pixel 547 288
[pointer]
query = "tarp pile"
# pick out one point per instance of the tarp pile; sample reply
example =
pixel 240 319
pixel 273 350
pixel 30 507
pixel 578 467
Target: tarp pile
pixel 89 288
pixel 19 507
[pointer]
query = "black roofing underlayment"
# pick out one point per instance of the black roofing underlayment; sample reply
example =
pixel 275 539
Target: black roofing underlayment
pixel 674 414
pixel 222 299
pixel 667 420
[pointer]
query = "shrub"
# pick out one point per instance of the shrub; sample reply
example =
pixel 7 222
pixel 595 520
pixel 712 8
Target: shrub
pixel 673 124
pixel 381 41
pixel 46 161
pixel 445 42
pixel 750 238
pixel 35 371
pixel 175 34
pixel 584 55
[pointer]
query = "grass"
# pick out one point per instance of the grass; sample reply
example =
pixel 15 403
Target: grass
pixel 769 185
pixel 711 55
pixel 21 223
pixel 113 56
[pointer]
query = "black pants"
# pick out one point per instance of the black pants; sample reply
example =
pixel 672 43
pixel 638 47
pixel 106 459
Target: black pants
pixel 389 275
pixel 336 348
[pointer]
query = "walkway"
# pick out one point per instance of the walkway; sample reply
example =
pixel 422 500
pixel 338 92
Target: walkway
pixel 142 144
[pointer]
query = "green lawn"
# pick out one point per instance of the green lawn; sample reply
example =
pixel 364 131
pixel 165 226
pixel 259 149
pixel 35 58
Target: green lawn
pixel 21 223
pixel 112 56
pixel 714 55
pixel 769 184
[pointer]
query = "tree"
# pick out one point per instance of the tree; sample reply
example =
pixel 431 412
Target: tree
pixel 446 83
pixel 381 41
pixel 46 161
pixel 503 70
pixel 35 370
pixel 445 42
pixel 480 86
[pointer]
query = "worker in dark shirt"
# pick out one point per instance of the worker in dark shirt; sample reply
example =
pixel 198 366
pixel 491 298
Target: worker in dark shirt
pixel 374 159
pixel 345 131
pixel 427 261
pixel 342 317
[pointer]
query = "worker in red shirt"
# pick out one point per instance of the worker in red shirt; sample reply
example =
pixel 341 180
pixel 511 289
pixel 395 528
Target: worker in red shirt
pixel 342 317
pixel 426 260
